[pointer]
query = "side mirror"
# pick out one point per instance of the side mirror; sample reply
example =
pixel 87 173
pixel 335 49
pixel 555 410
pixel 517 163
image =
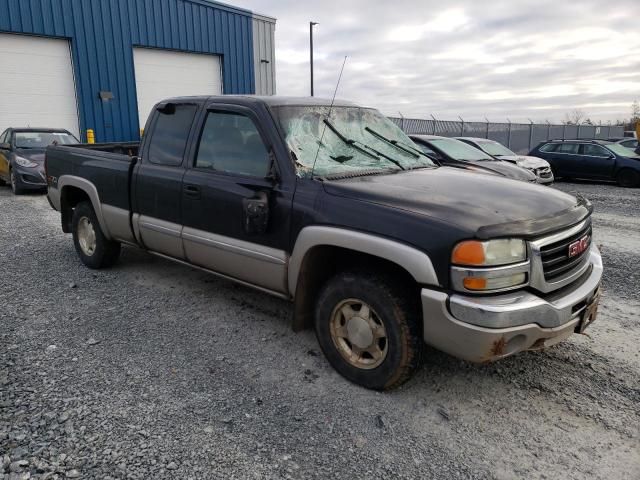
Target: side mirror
pixel 5 146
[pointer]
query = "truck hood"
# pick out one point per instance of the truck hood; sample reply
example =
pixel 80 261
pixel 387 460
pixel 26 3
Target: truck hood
pixel 485 206
pixel 525 161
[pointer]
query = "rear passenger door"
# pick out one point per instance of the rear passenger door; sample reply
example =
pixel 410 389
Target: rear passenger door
pixel 566 159
pixel 157 192
pixel 235 211
pixel 597 161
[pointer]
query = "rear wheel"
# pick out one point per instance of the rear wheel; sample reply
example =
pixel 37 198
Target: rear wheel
pixel 368 329
pixel 628 178
pixel 92 246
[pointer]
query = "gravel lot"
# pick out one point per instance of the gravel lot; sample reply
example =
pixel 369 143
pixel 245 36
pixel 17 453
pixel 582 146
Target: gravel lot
pixel 154 370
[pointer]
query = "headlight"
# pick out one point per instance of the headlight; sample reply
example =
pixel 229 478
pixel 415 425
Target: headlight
pixel 23 162
pixel 490 266
pixel 492 252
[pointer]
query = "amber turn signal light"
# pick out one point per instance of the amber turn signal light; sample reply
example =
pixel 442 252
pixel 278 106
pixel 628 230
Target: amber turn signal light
pixel 470 252
pixel 475 283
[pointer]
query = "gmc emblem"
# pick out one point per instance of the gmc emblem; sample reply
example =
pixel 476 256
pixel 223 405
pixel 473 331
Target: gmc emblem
pixel 579 246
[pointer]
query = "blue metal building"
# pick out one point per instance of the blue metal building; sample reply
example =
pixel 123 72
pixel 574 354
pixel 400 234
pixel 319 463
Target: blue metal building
pixel 111 64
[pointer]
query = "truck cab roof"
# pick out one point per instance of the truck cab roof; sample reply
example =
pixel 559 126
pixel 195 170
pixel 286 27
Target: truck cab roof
pixel 272 100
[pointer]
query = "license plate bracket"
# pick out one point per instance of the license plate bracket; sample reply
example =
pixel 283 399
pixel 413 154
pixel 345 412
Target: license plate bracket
pixel 590 313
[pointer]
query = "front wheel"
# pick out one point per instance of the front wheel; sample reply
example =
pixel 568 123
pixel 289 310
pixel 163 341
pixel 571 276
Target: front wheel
pixel 628 178
pixel 367 327
pixel 15 186
pixel 92 246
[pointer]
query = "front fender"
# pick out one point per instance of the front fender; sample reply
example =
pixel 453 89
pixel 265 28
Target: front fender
pixel 415 262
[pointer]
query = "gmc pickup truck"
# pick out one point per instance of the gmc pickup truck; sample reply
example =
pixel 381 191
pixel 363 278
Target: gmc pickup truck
pixel 334 208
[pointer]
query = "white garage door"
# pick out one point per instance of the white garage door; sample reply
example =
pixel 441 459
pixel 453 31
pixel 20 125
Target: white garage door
pixel 163 74
pixel 36 83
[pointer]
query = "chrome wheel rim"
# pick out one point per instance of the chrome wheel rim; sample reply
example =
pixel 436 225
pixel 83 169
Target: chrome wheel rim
pixel 359 334
pixel 86 236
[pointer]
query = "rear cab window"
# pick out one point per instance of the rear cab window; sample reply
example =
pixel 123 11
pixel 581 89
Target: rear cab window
pixel 170 134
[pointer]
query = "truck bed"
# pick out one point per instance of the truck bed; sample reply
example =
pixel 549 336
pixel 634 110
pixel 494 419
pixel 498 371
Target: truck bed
pixel 107 166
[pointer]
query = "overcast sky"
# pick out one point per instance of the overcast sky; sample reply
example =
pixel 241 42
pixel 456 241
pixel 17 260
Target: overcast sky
pixel 514 59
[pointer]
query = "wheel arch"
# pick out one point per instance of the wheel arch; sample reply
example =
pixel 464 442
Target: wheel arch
pixel 320 252
pixel 74 190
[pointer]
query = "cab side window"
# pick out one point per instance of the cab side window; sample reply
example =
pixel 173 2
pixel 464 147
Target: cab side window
pixel 170 134
pixel 230 143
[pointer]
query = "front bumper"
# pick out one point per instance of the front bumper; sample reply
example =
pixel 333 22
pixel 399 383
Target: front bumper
pixel 30 178
pixel 481 329
pixel 546 180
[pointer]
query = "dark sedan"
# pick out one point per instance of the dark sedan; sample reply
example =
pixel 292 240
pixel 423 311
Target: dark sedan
pixel 22 156
pixel 591 160
pixel 454 153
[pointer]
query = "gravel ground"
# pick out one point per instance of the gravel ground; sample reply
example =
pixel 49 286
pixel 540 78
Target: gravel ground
pixel 154 370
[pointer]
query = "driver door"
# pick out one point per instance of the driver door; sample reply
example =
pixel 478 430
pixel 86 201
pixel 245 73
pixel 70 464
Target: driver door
pixel 235 212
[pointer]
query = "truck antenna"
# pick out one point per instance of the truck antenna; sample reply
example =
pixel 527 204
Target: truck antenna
pixel 324 127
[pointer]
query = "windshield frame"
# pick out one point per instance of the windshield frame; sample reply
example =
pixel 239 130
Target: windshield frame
pixel 434 143
pixel 300 122
pixel 483 142
pixel 16 133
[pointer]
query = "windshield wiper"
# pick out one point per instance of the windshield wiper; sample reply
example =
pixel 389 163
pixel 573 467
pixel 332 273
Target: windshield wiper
pixel 351 143
pixel 341 158
pixel 393 143
pixel 355 144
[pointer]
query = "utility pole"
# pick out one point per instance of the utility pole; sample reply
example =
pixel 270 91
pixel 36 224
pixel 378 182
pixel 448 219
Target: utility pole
pixel 311 24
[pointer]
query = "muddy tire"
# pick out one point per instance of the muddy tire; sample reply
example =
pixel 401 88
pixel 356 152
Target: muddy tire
pixel 369 329
pixel 628 178
pixel 92 247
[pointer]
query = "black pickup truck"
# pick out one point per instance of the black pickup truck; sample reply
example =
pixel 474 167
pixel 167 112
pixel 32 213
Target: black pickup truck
pixel 332 207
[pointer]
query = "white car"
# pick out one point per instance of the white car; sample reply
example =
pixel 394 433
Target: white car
pixel 631 143
pixel 538 166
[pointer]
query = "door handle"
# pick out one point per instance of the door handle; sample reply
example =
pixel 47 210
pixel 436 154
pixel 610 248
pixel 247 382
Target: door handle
pixel 192 191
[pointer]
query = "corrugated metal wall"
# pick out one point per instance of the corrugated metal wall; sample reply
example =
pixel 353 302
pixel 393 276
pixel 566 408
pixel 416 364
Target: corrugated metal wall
pixel 263 54
pixel 103 32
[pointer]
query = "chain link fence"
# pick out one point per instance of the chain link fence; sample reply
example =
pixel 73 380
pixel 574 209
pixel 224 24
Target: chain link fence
pixel 519 137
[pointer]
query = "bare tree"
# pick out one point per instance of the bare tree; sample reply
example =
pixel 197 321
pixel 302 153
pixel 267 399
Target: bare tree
pixel 574 117
pixel 635 111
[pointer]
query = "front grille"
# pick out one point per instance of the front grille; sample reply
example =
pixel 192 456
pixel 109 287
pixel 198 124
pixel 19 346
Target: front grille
pixel 556 261
pixel 31 178
pixel 544 172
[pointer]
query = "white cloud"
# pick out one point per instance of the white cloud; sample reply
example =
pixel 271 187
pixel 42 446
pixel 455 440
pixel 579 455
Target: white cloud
pixel 495 58
pixel 445 22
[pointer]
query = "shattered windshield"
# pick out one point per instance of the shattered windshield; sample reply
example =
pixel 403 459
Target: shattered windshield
pixel 351 140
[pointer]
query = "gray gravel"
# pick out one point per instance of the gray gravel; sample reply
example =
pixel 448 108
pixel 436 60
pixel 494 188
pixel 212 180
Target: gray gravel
pixel 154 370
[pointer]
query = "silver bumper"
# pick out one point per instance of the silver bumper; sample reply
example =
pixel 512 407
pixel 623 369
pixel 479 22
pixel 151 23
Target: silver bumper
pixel 546 181
pixel 481 329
